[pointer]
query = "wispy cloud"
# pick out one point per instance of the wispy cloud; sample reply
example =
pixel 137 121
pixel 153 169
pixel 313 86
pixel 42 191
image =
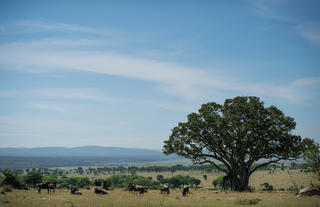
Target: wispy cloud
pixel 47 106
pixel 268 9
pixel 49 26
pixel 310 31
pixel 90 94
pixel 188 82
pixel 7 93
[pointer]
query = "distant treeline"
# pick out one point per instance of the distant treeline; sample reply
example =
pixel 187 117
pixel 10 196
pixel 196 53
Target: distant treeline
pixel 134 169
pixel 31 179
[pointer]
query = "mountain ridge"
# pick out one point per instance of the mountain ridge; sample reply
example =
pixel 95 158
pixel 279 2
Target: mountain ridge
pixel 82 151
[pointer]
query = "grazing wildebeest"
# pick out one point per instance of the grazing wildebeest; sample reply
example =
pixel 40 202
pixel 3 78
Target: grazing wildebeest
pixel 140 189
pixel 98 191
pixel 225 179
pixel 136 188
pixel 131 187
pixel 73 190
pixel 77 193
pixel 165 189
pixel 50 186
pixel 185 190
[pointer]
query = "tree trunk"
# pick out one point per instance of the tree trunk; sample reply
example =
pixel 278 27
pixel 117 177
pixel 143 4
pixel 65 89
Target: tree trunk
pixel 241 182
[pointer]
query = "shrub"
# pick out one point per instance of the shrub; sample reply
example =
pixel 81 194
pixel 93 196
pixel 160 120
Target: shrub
pixel 122 181
pixel 97 182
pixel 251 189
pixel 6 188
pixel 246 201
pixel 83 182
pixel 218 182
pixel 267 187
pixel 12 179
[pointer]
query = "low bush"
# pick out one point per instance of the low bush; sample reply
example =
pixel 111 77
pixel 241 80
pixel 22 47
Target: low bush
pixel 6 188
pixel 267 187
pixel 247 201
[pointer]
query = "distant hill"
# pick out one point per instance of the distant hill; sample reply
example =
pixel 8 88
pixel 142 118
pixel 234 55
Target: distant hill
pixel 76 156
pixel 85 151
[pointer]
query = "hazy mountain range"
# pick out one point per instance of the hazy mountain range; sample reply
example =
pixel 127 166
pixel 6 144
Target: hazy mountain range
pixel 76 156
pixel 85 151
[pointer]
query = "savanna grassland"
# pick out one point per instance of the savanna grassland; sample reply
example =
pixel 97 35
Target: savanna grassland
pixel 205 196
pixel 120 198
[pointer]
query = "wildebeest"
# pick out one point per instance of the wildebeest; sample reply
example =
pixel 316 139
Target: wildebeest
pixel 137 188
pixel 165 189
pixel 185 190
pixel 73 190
pixel 140 189
pixel 131 187
pixel 225 179
pixel 308 191
pixel 98 191
pixel 50 186
pixel 77 193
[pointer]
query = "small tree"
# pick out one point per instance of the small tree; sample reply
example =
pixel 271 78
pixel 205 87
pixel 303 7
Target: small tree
pixel 195 181
pixel 12 179
pixel 267 187
pixel 83 182
pixel 97 182
pixel 205 177
pixel 33 178
pixel 311 154
pixel 238 133
pixel 218 182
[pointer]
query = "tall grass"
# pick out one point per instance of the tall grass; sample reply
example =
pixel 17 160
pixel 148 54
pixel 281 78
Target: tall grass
pixel 198 198
pixel 120 198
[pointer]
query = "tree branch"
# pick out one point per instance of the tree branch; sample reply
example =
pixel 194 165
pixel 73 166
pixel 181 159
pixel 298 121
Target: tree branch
pixel 213 163
pixel 264 164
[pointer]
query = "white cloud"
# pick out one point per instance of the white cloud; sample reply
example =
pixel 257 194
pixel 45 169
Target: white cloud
pixel 267 9
pixel 310 31
pixel 90 94
pixel 48 26
pixel 7 93
pixel 60 129
pixel 171 78
pixel 46 106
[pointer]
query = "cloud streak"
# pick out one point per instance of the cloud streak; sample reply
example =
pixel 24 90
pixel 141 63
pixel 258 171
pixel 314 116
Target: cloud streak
pixel 267 9
pixel 311 32
pixel 33 26
pixel 190 83
pixel 46 106
pixel 76 94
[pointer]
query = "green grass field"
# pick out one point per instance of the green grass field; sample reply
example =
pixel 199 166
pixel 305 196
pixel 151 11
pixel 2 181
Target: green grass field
pixel 200 197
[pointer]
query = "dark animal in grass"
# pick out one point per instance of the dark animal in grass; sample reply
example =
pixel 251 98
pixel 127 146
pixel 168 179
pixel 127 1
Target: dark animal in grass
pixel 136 188
pixel 50 186
pixel 309 191
pixel 165 190
pixel 131 187
pixel 77 193
pixel 98 191
pixel 73 190
pixel 185 190
pixel 140 189
pixel 225 180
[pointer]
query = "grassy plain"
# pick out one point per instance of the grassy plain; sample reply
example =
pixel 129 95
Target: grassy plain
pixel 200 197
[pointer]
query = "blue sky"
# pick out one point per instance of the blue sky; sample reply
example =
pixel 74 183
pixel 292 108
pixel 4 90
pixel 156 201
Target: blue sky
pixel 124 73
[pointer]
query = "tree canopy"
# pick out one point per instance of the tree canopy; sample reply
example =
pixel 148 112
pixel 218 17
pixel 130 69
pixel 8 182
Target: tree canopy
pixel 237 134
pixel 311 154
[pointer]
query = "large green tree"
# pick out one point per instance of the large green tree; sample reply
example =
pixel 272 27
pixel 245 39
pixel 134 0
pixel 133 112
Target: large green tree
pixel 237 134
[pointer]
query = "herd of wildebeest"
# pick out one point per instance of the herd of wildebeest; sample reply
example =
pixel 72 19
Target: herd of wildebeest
pixel 134 188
